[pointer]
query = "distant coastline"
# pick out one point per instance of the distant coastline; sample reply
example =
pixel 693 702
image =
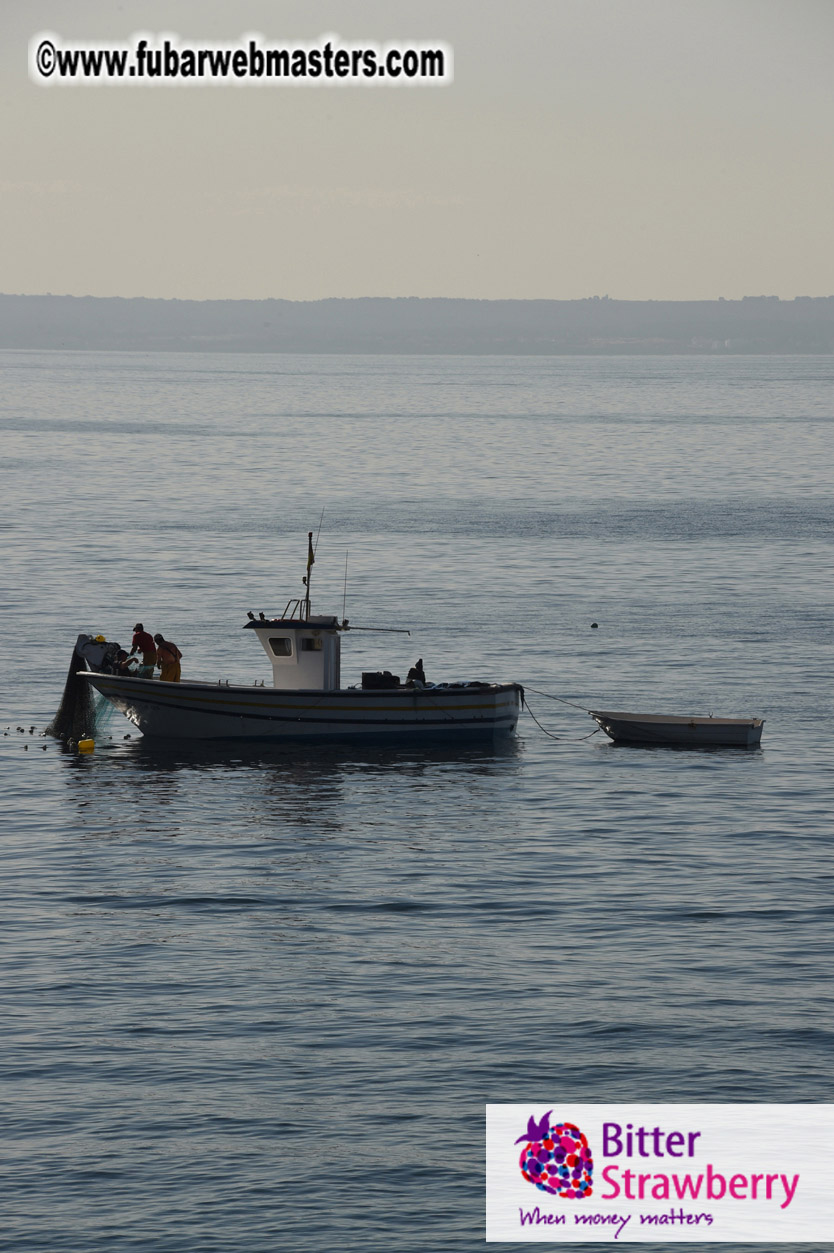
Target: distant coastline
pixel 596 326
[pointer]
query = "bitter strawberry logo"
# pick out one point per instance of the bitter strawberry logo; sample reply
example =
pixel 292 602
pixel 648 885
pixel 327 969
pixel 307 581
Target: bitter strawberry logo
pixel 556 1158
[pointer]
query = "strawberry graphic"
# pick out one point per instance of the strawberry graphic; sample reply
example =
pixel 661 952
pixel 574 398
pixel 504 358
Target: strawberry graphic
pixel 557 1158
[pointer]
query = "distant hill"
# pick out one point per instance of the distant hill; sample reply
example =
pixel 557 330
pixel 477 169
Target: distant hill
pixel 756 324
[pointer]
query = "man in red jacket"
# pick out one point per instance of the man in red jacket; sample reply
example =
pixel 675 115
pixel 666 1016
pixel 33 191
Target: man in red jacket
pixel 143 643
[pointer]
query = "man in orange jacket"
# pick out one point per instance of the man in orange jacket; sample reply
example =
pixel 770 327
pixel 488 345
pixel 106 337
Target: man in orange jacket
pixel 168 660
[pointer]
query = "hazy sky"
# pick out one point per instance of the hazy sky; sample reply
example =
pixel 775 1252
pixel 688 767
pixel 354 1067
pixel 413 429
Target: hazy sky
pixel 669 149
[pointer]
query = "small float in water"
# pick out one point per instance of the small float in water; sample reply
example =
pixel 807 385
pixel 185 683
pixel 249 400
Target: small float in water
pixel 306 701
pixel 680 731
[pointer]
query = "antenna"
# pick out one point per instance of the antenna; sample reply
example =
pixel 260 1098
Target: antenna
pixel 318 532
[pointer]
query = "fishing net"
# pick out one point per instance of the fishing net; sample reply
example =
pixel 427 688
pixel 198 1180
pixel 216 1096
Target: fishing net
pixel 75 716
pixel 80 711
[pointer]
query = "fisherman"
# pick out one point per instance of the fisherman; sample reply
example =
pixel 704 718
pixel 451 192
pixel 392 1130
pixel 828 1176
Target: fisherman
pixel 143 643
pixel 124 664
pixel 168 660
pixel 416 675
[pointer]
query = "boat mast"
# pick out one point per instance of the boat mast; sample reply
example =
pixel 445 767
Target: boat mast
pixel 310 562
pixel 344 593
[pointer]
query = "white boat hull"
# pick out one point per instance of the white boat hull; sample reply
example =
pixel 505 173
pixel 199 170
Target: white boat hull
pixel 207 711
pixel 681 731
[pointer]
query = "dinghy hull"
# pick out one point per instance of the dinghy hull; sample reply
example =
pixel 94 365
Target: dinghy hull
pixel 680 731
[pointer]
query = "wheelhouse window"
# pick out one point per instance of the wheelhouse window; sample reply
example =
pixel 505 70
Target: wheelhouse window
pixel 310 646
pixel 281 645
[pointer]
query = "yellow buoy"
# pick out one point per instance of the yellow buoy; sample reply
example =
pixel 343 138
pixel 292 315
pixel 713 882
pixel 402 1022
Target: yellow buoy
pixel 86 746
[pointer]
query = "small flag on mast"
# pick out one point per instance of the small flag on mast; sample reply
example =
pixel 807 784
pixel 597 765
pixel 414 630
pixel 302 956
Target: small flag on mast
pixel 310 554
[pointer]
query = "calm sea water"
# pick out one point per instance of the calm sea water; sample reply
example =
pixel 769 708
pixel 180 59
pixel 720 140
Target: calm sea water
pixel 256 999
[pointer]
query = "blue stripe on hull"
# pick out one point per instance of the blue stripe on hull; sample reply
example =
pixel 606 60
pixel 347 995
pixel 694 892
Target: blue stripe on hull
pixel 180 711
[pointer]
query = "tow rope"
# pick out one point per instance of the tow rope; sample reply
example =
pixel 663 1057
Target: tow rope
pixel 564 701
pixel 550 696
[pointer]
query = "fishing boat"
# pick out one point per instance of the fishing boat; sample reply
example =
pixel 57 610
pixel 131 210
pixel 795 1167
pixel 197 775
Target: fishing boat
pixel 305 700
pixel 679 730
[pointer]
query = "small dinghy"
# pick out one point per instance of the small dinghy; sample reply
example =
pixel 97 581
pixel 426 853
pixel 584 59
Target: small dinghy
pixel 680 731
